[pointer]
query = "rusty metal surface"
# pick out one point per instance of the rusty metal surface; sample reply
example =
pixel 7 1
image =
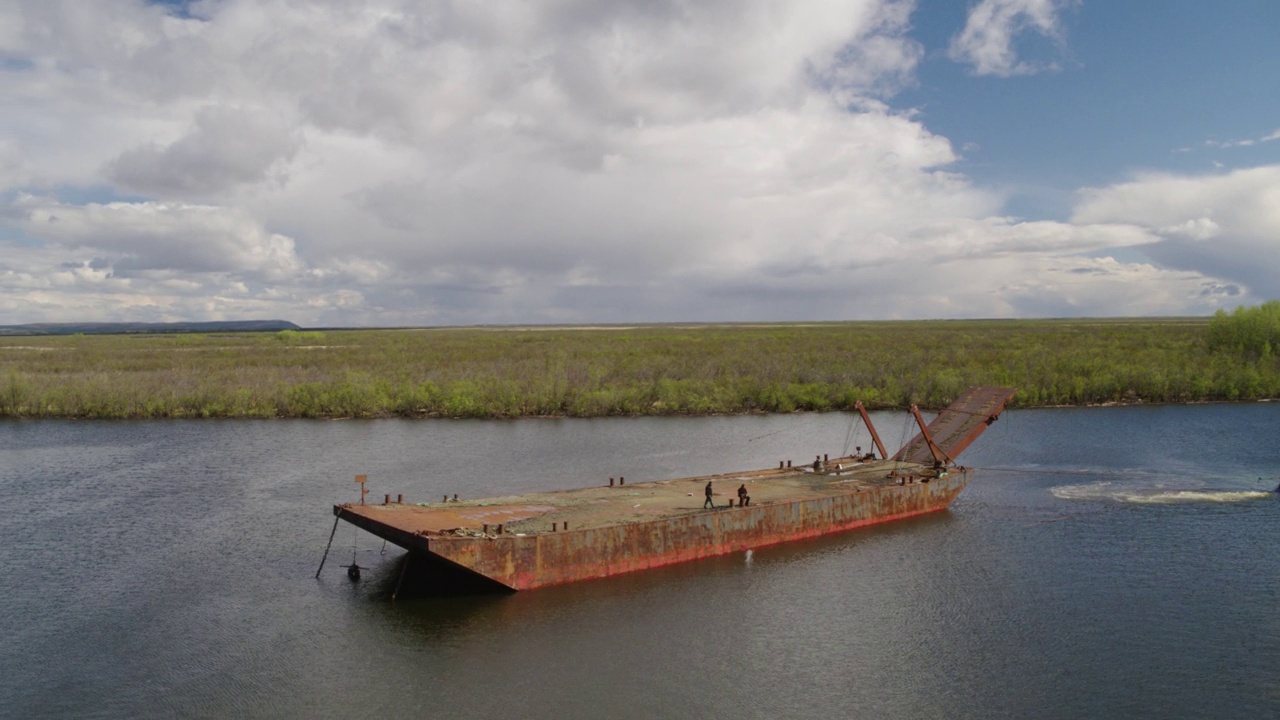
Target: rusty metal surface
pixel 531 561
pixel 956 427
pixel 539 539
pixel 621 529
pixel 608 505
pixel 875 436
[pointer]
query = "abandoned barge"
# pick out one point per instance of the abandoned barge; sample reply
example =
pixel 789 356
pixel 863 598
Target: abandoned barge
pixel 540 539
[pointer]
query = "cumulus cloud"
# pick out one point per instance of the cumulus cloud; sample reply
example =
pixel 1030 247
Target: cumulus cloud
pixel 738 192
pixel 157 236
pixel 1226 225
pixel 395 162
pixel 988 40
pixel 1098 286
pixel 227 147
pixel 53 283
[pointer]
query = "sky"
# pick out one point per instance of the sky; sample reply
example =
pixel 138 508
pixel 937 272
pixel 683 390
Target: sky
pixel 416 162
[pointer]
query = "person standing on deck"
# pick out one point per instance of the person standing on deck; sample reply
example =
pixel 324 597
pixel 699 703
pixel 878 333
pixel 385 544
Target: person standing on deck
pixel 709 502
pixel 743 498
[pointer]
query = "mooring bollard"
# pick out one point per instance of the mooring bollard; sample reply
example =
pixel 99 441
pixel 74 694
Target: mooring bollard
pixel 400 498
pixel 566 524
pixel 446 499
pixel 499 528
pixel 486 528
pixel 553 527
pixel 386 499
pixel 622 481
pixel 610 482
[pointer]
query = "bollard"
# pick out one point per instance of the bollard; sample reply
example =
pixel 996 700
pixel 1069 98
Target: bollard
pixel 455 497
pixel 566 524
pixel 825 458
pixel 779 464
pixel 610 482
pixel 446 499
pixel 499 528
pixel 486 528
pixel 386 499
pixel 553 527
pixel 400 498
pixel 788 463
pixel 622 481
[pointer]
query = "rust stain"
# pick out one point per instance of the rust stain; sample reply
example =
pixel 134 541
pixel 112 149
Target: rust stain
pixel 649 524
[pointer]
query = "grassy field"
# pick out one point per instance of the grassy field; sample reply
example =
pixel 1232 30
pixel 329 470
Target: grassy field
pixel 508 372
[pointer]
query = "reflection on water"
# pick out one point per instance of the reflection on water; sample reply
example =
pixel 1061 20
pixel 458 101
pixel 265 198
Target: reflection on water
pixel 1115 566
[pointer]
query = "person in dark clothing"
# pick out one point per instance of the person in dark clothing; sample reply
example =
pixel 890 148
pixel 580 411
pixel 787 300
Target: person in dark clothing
pixel 743 498
pixel 709 502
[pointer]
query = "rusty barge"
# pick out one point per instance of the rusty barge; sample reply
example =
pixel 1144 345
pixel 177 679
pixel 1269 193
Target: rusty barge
pixel 540 539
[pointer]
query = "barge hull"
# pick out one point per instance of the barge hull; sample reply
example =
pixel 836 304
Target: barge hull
pixel 525 542
pixel 524 562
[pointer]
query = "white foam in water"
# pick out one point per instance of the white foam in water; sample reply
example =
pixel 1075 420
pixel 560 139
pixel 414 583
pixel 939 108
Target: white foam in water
pixel 1187 496
pixel 1153 496
pixel 1088 491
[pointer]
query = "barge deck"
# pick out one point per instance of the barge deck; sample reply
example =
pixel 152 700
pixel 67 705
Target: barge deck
pixel 538 539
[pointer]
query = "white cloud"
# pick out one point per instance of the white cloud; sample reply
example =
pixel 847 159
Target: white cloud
pixel 157 236
pixel 1104 286
pixel 991 32
pixel 1226 225
pixel 1195 229
pixel 227 147
pixel 55 283
pixel 402 162
pixel 1247 142
pixel 1228 144
pixel 13 171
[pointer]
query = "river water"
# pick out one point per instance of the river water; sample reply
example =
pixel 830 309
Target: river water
pixel 1116 562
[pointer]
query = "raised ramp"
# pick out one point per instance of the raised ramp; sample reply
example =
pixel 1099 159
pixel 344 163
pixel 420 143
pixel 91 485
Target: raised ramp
pixel 959 425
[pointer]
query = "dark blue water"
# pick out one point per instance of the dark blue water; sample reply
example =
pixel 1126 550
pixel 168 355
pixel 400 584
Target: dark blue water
pixel 1114 563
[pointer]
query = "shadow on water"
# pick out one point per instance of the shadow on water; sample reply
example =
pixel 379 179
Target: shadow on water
pixel 425 576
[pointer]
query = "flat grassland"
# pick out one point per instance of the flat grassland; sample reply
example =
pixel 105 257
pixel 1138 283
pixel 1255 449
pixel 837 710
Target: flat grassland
pixel 644 370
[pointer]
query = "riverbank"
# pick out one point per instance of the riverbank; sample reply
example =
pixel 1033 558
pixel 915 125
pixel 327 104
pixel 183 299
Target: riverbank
pixel 499 372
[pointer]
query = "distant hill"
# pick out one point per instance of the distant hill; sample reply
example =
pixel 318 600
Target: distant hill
pixel 126 327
